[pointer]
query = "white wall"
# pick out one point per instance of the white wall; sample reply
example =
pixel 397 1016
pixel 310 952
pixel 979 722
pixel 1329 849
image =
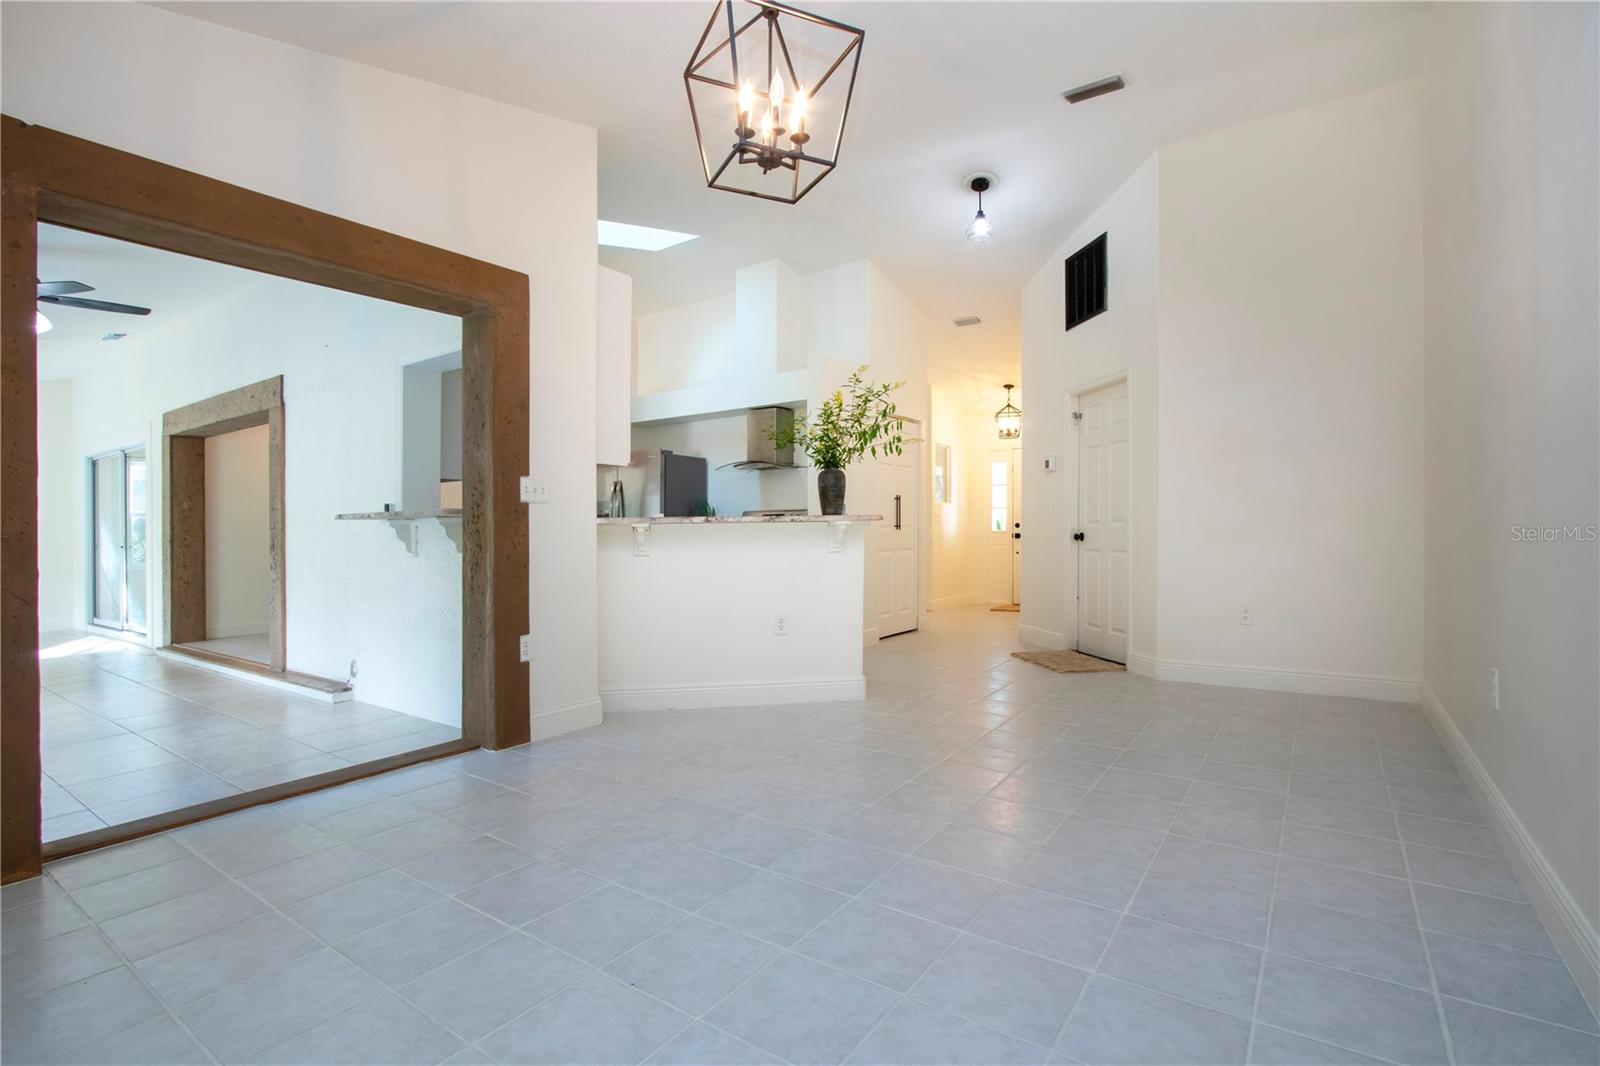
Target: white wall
pixel 692 624
pixel 483 178
pixel 60 602
pixel 1511 433
pixel 685 345
pixel 1290 341
pixel 238 561
pixel 1264 307
pixel 1121 342
pixel 951 534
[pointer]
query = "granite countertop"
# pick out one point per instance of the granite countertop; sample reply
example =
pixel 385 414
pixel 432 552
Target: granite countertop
pixel 732 520
pixel 392 516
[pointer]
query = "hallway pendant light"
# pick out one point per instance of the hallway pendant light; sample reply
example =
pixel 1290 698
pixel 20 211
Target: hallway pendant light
pixel 769 90
pixel 980 229
pixel 1009 418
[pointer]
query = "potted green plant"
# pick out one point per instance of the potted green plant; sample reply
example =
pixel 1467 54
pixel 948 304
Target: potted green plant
pixel 857 420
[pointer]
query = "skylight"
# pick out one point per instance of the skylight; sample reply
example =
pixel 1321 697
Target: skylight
pixel 642 238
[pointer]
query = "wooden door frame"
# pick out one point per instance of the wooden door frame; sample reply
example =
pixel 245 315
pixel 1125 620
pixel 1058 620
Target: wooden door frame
pixel 183 513
pixel 48 176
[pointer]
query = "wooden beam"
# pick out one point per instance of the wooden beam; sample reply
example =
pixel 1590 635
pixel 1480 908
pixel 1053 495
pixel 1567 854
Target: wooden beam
pixel 64 180
pixel 183 525
pixel 19 538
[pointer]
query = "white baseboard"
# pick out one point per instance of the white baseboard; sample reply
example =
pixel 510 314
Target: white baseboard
pixel 734 694
pixel 1306 682
pixel 55 625
pixel 1575 937
pixel 250 677
pixel 945 603
pixel 1043 638
pixel 1143 665
pixel 554 721
pixel 236 629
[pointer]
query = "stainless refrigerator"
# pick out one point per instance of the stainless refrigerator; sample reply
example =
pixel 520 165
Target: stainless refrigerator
pixel 674 485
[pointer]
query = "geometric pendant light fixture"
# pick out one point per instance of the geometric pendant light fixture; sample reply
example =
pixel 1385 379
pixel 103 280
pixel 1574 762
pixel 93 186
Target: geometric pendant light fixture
pixel 769 91
pixel 1008 420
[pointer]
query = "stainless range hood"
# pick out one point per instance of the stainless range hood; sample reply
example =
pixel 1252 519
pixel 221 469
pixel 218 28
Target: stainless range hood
pixel 759 451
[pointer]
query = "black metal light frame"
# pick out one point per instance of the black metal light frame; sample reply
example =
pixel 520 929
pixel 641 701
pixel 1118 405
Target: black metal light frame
pixel 746 149
pixel 1008 420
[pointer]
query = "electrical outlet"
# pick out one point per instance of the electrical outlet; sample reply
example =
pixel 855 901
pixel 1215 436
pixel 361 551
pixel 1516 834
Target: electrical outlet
pixel 1246 616
pixel 534 490
pixel 525 647
pixel 1494 687
pixel 780 626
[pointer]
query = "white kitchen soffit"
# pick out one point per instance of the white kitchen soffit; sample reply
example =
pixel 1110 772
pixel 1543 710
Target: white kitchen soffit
pixel 642 238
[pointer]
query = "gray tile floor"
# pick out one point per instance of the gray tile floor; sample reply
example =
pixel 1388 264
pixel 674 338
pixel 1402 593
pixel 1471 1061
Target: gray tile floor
pixel 127 734
pixel 983 863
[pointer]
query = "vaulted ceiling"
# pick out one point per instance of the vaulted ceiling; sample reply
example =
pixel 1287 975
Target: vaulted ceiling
pixel 945 89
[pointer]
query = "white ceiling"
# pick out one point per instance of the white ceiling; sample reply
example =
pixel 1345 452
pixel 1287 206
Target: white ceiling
pixel 944 89
pixel 173 286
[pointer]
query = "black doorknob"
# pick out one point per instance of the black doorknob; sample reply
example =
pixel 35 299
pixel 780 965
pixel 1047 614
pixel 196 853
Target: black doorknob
pixel 1078 535
pixel 1016 536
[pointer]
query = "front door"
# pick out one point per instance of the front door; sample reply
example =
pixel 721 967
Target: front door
pixel 1002 538
pixel 1102 534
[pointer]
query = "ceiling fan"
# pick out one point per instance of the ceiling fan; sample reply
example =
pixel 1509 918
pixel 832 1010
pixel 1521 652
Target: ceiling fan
pixel 64 294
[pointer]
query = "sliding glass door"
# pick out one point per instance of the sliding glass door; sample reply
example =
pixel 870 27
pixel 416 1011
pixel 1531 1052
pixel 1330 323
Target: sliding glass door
pixel 121 593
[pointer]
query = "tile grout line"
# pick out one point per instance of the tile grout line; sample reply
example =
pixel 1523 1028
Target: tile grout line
pixel 1422 934
pixel 1272 905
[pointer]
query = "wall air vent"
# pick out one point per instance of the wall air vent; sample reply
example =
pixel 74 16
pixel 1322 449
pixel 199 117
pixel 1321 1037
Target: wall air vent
pixel 1094 89
pixel 969 320
pixel 1086 282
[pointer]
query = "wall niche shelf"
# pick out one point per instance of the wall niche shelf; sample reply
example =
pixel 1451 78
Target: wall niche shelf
pixel 404 524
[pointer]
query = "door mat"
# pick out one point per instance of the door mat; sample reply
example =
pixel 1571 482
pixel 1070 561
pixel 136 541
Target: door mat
pixel 1067 662
pixel 1007 607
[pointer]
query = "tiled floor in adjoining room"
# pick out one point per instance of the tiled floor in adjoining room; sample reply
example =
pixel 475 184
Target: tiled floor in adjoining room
pixel 126 734
pixel 984 863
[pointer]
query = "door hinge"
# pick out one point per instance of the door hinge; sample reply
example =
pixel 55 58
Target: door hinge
pixel 1077 416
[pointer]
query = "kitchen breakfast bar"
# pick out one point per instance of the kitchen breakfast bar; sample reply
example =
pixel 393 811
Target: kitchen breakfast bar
pixel 731 611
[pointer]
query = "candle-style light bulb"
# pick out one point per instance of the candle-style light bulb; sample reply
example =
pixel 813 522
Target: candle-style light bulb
pixel 747 103
pixel 775 94
pixel 766 127
pixel 797 110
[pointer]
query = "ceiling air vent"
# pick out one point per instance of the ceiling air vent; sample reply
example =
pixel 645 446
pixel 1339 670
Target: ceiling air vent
pixel 970 320
pixel 1086 282
pixel 1094 89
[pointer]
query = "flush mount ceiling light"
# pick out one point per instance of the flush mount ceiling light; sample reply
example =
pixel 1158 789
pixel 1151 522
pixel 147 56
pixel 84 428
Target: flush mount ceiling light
pixel 1009 418
pixel 640 238
pixel 980 229
pixel 769 90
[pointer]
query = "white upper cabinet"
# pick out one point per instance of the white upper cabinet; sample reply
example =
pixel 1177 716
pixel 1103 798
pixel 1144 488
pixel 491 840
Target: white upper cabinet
pixel 613 369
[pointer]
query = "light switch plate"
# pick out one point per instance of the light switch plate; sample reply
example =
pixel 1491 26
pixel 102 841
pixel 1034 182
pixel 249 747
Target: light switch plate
pixel 534 490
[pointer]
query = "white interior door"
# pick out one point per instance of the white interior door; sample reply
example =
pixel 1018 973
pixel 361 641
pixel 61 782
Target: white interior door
pixel 1102 534
pixel 896 565
pixel 1003 518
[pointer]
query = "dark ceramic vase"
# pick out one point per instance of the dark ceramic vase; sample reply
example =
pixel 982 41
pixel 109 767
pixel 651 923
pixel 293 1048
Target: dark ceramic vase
pixel 830 490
